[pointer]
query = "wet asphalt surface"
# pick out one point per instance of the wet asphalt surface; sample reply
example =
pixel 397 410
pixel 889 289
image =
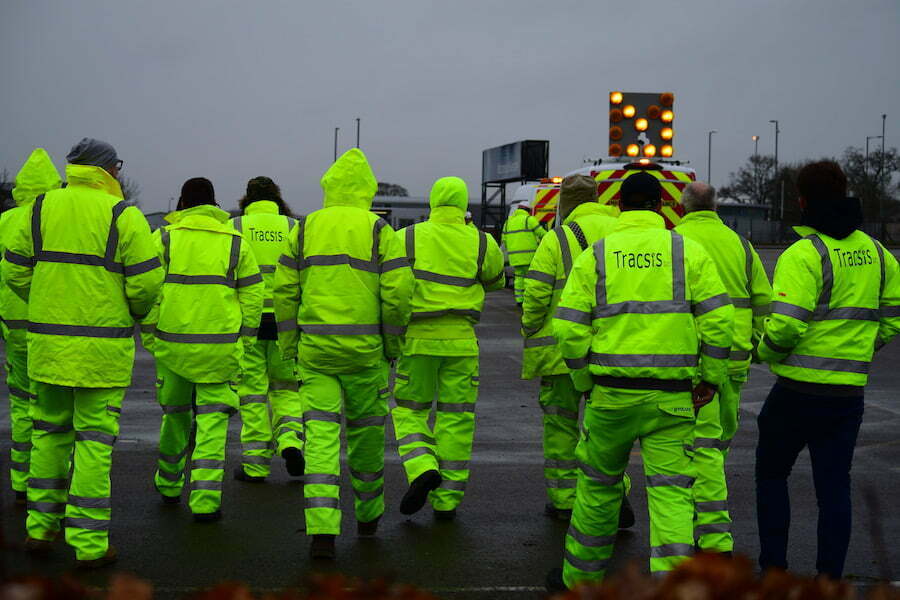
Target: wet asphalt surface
pixel 501 544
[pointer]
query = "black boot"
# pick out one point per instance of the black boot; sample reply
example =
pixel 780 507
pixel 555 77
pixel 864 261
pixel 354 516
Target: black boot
pixel 626 514
pixel 293 461
pixel 417 494
pixel 208 517
pixel 367 528
pixel 322 547
pixel 554 581
pixel 445 515
pixel 560 514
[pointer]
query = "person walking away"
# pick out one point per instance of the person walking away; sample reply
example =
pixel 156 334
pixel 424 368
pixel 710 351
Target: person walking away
pixel 36 177
pixel 207 316
pixel 748 287
pixel 837 300
pixel 643 315
pixel 454 265
pixel 584 223
pixel 87 263
pixel 342 293
pixel 271 415
pixel 521 235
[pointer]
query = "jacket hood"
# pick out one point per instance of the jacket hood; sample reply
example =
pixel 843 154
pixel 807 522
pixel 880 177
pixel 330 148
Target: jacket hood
pixel 583 210
pixel 94 177
pixel 449 191
pixel 204 210
pixel 349 181
pixel 37 176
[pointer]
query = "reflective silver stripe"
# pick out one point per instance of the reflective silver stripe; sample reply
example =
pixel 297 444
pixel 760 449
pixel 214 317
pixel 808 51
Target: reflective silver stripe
pixel 15 323
pixel 249 280
pixel 168 410
pixel 443 279
pixel 576 363
pixel 394 263
pixel 590 541
pixel 551 463
pixel 95 436
pixel 748 269
pixel 249 459
pixel 215 407
pixel 559 411
pixel 267 269
pixel 114 409
pixel 644 360
pixel 284 326
pixel 762 310
pixel 341 329
pixel 18 259
pixel 715 351
pixel 588 566
pixel 21 446
pixel 791 310
pixel 573 315
pixel 289 262
pixel 173 458
pixel 851 313
pixel 47 507
pixel 141 267
pixel 278 386
pixel 234 257
pixel 475 314
pixel 322 415
pixel 74 258
pixel 322 502
pixel 254 399
pixel 520 251
pixel 451 484
pixel 388 329
pixel 402 376
pixel 148 327
pixel 19 466
pixel 649 307
pixel 415 453
pixel 236 222
pixel 679 284
pixel 81 330
pixel 453 465
pixel 198 338
pixel 512 231
pixel 889 312
pixel 599 476
pixel 268 303
pixel 671 550
pixel 827 270
pixel 570 484
pixel 86 523
pixel 710 304
pixel 199 280
pixel 321 479
pixel 37 483
pixel 827 364
pixel 740 302
pixel 659 480
pixel 739 355
pixel 208 485
pixel 207 463
pixel 176 477
pixel 48 427
pixel 366 475
pixel 708 528
pixel 412 404
pixel 541 276
pixel 251 446
pixel 713 443
pixel 333 260
pixel 84 502
pixel 600 259
pixel 370 495
pixel 711 506
pixel 452 407
pixel 541 341
pixel 375 421
pixel 290 419
pixel 416 437
pixel 564 250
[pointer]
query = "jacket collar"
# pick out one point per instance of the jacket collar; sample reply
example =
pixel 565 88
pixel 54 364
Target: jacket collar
pixel 261 207
pixel 640 219
pixel 701 216
pixel 205 216
pixel 93 177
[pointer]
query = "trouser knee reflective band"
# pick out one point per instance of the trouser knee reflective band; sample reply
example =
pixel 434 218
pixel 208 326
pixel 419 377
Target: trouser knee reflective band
pixel 663 428
pixel 559 402
pixel 519 282
pixel 21 397
pixel 174 395
pixel 447 448
pixel 712 525
pixel 363 396
pixel 87 418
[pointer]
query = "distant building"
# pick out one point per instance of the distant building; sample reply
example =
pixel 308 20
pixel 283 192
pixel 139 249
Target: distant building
pixel 742 217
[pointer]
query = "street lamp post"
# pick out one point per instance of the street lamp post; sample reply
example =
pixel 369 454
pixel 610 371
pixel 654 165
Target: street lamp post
pixel 870 137
pixel 357 132
pixel 709 157
pixel 777 131
pixel 756 167
pixel 336 129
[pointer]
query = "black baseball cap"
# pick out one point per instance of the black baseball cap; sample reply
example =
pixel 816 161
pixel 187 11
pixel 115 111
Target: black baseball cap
pixel 640 190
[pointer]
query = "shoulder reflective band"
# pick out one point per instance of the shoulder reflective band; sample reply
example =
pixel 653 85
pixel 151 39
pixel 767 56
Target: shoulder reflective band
pixel 482 251
pixel 579 235
pixel 410 239
pixel 821 363
pixel 340 329
pixel 233 258
pixel 141 267
pixel 237 225
pixel 540 276
pixel 827 271
pixel 290 222
pixel 679 283
pixel 112 238
pixel 880 251
pixel 81 330
pixel 600 259
pixel 198 338
pixel 376 239
pixel 37 241
pixel 643 360
pixel 564 250
pixel 541 341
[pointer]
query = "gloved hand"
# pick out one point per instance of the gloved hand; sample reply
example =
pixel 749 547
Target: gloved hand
pixel 703 394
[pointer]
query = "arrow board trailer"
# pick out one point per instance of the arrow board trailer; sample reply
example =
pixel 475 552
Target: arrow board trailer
pixel 543 197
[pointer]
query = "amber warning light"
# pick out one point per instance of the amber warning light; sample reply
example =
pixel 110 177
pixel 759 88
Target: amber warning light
pixel 641 124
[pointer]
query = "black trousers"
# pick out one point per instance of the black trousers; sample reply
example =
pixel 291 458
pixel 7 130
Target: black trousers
pixel 829 425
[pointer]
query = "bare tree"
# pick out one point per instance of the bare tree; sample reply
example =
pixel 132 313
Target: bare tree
pixel 131 191
pixel 876 191
pixel 390 189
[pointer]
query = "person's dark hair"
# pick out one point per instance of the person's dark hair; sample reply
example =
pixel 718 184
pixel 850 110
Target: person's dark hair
pixel 263 188
pixel 196 192
pixel 640 191
pixel 823 186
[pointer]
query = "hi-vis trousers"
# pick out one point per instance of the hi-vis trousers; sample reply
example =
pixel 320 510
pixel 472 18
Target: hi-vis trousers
pixel 215 403
pixel 21 397
pixel 664 427
pixel 716 425
pixel 89 419
pixel 519 283
pixel 363 397
pixel 453 380
pixel 271 414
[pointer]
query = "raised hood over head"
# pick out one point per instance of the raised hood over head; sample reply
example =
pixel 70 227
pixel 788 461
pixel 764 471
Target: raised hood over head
pixel 449 191
pixel 37 176
pixel 350 181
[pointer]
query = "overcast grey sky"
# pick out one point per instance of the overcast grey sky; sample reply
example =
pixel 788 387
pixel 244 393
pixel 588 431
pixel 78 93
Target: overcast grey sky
pixel 230 90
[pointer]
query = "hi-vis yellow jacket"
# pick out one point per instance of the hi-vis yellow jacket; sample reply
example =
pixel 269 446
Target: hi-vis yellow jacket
pixel 742 273
pixel 835 301
pixel 211 299
pixel 37 176
pixel 545 280
pixel 453 265
pixel 521 235
pixel 644 309
pixel 266 232
pixel 90 266
pixel 343 286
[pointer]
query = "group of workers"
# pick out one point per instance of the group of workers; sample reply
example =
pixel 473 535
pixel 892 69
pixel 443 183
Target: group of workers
pixel 292 322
